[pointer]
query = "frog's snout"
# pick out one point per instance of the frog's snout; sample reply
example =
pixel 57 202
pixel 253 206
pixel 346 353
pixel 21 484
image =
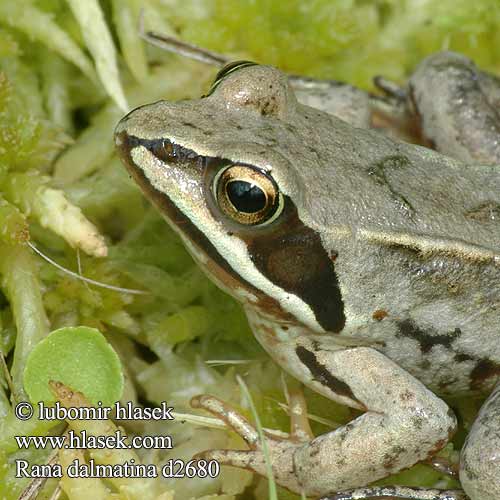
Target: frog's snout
pixel 148 117
pixel 120 137
pixel 127 136
pixel 125 142
pixel 121 126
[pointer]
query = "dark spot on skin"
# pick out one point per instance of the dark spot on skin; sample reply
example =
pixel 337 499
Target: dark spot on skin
pixel 406 396
pixel 391 459
pixel 417 422
pixel 343 432
pixel 314 452
pixel 208 132
pixel 483 370
pixel 264 105
pixel 426 339
pixel 285 328
pixel 486 212
pixel 269 106
pixel 379 175
pixel 321 374
pixel 190 125
pixel 379 314
pixel 425 364
pixel 316 346
pixel 460 357
pixel 453 288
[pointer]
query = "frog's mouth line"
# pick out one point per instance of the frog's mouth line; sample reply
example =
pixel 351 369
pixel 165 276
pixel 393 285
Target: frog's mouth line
pixel 289 255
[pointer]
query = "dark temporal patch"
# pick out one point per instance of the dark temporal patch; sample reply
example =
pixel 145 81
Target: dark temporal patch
pixel 426 338
pixel 292 256
pixel 287 252
pixel 321 374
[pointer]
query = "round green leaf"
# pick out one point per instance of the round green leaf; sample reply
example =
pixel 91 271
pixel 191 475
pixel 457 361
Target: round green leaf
pixel 79 357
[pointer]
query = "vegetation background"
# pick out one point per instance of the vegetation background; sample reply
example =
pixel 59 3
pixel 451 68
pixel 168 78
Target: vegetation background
pixel 69 69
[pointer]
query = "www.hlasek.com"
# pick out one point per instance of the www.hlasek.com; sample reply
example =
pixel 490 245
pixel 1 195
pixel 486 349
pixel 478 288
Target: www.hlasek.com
pixel 77 440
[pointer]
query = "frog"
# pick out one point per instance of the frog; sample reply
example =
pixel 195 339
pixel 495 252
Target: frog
pixel 368 264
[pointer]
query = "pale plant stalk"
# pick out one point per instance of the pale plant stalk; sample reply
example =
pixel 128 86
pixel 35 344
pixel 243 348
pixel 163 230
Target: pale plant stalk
pixel 100 44
pixel 21 284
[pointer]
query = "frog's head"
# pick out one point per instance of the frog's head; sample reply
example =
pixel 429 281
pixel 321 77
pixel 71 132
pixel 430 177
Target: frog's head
pixel 213 168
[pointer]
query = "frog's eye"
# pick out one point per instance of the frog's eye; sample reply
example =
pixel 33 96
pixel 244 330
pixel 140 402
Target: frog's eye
pixel 227 70
pixel 248 195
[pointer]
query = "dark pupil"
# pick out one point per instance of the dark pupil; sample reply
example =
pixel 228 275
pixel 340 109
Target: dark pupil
pixel 246 197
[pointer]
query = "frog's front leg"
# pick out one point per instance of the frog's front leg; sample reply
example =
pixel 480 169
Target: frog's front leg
pixel 403 421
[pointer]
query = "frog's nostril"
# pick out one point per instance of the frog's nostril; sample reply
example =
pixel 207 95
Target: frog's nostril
pixel 170 152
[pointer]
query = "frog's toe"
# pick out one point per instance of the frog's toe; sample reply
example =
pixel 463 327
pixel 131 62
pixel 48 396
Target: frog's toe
pixel 280 461
pixel 237 458
pixel 280 450
pixel 397 492
pixel 229 415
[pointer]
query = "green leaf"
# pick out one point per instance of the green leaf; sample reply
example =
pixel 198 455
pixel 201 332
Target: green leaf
pixel 96 33
pixel 81 358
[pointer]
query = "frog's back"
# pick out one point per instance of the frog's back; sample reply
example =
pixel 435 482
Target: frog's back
pixel 417 242
pixel 379 239
pixel 376 184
